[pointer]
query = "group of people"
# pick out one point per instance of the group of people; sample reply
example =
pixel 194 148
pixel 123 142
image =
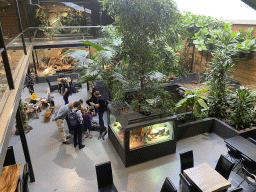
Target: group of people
pixel 79 119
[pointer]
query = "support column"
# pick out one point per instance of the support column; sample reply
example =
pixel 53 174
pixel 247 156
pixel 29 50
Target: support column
pixel 20 27
pixel 34 62
pixel 36 58
pixel 26 14
pixel 24 144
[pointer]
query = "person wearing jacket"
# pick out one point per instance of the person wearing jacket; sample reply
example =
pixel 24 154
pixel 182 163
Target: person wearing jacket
pixel 59 118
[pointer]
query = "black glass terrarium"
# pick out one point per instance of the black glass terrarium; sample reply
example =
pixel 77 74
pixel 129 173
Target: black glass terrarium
pixel 138 138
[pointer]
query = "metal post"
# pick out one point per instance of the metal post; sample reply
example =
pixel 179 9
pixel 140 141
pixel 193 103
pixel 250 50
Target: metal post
pixel 26 14
pixel 24 144
pixel 36 58
pixel 90 52
pixel 100 23
pixel 20 27
pixel 34 62
pixel 7 67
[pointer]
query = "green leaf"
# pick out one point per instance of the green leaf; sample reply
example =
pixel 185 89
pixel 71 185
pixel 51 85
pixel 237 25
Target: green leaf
pixel 202 103
pixel 196 109
pixel 98 47
pixel 201 91
pixel 181 102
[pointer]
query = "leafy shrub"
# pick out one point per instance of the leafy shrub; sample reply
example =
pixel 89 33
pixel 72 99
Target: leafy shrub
pixel 242 110
pixel 219 84
pixel 194 101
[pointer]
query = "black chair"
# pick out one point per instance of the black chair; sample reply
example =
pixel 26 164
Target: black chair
pixel 251 140
pixel 248 164
pixel 236 189
pixel 19 186
pixel 105 177
pixel 186 160
pixel 186 186
pixel 9 157
pixel 168 186
pixel 249 178
pixel 234 155
pixel 75 85
pixel 25 178
pixel 61 75
pixel 224 166
pixel 51 86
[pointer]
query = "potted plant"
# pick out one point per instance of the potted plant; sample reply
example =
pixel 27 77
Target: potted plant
pixel 195 102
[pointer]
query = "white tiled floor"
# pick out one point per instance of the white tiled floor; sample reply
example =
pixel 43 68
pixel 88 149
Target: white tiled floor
pixel 61 168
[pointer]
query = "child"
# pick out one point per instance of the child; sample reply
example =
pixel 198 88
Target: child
pixel 87 122
pixel 81 101
pixel 50 99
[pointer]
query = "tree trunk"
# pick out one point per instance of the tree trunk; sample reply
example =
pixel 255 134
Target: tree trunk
pixel 193 53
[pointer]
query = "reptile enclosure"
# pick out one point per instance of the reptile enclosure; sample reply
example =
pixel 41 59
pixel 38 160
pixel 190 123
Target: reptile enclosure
pixel 138 138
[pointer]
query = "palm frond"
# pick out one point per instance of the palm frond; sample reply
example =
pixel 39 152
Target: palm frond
pixel 77 54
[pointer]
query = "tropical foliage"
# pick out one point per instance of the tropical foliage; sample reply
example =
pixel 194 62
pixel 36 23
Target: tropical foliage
pixel 219 84
pixel 242 110
pixel 149 31
pixel 194 101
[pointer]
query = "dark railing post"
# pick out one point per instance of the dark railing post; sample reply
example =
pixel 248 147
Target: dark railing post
pixel 34 62
pixel 26 14
pixel 24 144
pixel 100 23
pixel 36 58
pixel 7 67
pixel 20 27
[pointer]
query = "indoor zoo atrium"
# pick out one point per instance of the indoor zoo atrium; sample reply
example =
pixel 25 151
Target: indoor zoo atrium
pixel 128 95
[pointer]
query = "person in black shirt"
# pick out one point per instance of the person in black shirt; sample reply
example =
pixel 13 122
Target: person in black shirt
pixel 101 105
pixel 66 93
pixel 94 100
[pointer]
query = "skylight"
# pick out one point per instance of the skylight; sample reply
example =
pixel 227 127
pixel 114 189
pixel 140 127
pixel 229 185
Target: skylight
pixel 77 7
pixel 221 9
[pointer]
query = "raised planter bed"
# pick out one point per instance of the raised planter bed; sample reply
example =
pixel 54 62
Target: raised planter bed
pixel 212 125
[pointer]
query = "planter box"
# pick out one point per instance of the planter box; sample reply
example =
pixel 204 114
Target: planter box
pixel 194 128
pixel 215 125
pixel 224 130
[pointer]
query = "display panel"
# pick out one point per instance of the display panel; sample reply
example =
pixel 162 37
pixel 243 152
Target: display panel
pixel 152 134
pixel 117 129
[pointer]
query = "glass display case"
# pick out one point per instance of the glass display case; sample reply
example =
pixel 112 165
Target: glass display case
pixel 150 135
pixel 117 129
pixel 139 138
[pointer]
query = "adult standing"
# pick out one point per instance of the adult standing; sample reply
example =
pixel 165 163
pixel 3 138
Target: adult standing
pixel 101 106
pixel 59 118
pixel 29 82
pixel 76 122
pixel 66 92
pixel 94 100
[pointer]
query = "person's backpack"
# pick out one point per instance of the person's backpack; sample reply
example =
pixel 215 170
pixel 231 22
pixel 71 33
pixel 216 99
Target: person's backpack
pixel 73 118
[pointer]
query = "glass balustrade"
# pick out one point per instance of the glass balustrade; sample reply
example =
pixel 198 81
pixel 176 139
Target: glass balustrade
pixel 14 52
pixel 65 34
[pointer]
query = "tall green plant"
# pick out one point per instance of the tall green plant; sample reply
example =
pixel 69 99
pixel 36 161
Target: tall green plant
pixel 242 110
pixel 147 28
pixel 219 84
